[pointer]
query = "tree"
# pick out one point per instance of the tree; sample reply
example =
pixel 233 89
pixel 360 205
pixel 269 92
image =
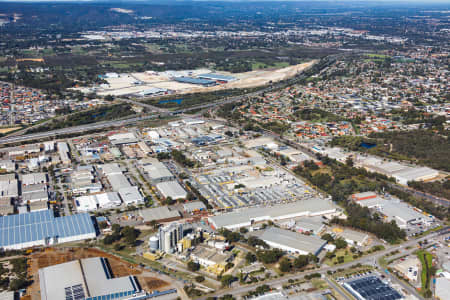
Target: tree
pixel 243 230
pixel 18 284
pixel 130 235
pixel 193 266
pixel 250 257
pixel 227 280
pixel 328 237
pixel 199 278
pixel 285 265
pixel 340 243
pixel 301 261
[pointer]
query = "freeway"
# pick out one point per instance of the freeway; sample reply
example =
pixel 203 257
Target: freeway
pixel 365 260
pixel 75 129
pixel 160 113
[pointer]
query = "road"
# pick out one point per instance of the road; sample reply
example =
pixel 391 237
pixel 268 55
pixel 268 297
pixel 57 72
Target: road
pixel 160 111
pixel 365 260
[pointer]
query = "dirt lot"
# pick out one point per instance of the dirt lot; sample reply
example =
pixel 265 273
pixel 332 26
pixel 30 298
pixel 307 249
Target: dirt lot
pixel 53 256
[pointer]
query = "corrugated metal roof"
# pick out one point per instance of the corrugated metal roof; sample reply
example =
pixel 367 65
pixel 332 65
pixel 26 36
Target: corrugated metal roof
pixel 39 225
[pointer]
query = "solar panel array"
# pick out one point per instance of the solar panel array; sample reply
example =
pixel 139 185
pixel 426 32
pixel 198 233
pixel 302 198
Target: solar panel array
pixel 75 292
pixel 41 225
pixel 372 288
pixel 118 295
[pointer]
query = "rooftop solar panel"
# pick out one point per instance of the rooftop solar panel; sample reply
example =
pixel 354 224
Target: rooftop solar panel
pixel 40 225
pixel 372 288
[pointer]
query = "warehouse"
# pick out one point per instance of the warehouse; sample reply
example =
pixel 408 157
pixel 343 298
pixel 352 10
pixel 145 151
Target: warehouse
pixel 34 178
pixel 35 197
pixel 290 241
pixel 171 189
pixel 41 228
pixel 131 195
pixel 354 238
pixel 415 174
pixel 63 151
pixel 403 214
pixel 194 206
pixel 156 170
pixel 217 77
pixel 246 217
pixel 88 278
pixel 110 169
pixel 191 80
pixel 161 214
pixel 123 138
pixel 9 187
pixel 93 202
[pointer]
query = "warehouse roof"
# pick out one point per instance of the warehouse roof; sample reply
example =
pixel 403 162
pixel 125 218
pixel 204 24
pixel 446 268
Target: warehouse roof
pixel 171 189
pixel 34 178
pixel 158 213
pixel 39 225
pixel 81 279
pixel 118 181
pixel 194 205
pixel 109 169
pixel 194 80
pixel 410 174
pixel 400 210
pixel 291 239
pixel 216 76
pixel 280 211
pixel 130 194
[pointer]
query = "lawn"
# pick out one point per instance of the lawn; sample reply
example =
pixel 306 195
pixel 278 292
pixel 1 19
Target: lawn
pixel 347 254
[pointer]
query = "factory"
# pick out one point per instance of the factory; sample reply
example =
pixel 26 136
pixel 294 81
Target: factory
pixel 290 241
pixel 249 216
pixel 192 80
pixel 41 228
pixel 217 77
pixel 88 278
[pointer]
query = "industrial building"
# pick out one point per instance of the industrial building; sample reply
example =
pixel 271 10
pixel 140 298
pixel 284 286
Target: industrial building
pixel 96 201
pixel 156 170
pixel 160 214
pixel 33 178
pixel 217 77
pixel 352 237
pixel 194 206
pixel 246 217
pixel 169 236
pixel 131 195
pixel 191 80
pixel 89 279
pixel 64 153
pixel 41 228
pixel 290 241
pixel 9 186
pixel 371 288
pixel 212 259
pixel 171 189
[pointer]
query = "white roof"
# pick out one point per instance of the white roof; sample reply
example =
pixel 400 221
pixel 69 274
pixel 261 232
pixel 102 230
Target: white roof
pixel 171 189
pixel 131 195
pixel 442 288
pixel 118 181
pixel 314 206
pixel 90 274
pixel 33 178
pixel 109 169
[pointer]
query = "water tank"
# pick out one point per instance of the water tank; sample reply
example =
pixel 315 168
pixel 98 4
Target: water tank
pixel 154 243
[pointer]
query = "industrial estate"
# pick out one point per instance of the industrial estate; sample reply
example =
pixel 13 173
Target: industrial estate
pixel 215 151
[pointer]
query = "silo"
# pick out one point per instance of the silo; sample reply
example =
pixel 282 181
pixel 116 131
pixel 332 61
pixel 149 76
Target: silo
pixel 154 243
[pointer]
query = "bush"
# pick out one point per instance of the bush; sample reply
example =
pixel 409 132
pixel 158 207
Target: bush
pixel 199 278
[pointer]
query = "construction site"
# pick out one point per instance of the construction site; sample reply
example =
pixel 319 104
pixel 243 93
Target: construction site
pixel 151 83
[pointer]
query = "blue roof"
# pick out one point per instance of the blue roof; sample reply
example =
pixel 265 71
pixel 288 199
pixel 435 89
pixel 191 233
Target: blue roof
pixel 39 225
pixel 216 76
pixel 194 80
